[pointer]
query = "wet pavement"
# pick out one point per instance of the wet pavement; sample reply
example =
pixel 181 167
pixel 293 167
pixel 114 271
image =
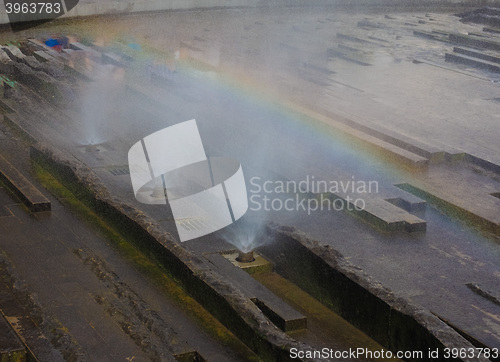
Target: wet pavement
pixel 85 296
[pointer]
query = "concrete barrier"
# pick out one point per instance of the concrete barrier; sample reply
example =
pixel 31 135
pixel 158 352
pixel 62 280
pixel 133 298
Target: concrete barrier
pixel 324 273
pixel 22 187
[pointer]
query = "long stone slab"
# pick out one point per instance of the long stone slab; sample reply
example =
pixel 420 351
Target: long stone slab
pixel 476 54
pixel 406 200
pixel 429 35
pixel 463 201
pixel 22 187
pixel 347 55
pixel 491 30
pixel 383 214
pixel 43 56
pixel 280 313
pixel 472 61
pixel 474 41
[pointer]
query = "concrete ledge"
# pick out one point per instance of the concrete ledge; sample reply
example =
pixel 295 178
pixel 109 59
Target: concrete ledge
pixel 281 314
pixel 386 215
pixel 218 295
pixel 22 188
pixel 472 62
pixel 476 208
pixel 390 217
pixel 324 273
pixel 475 41
pixel 476 54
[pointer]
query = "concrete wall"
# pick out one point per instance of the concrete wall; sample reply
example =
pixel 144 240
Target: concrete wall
pixel 99 7
pixel 323 272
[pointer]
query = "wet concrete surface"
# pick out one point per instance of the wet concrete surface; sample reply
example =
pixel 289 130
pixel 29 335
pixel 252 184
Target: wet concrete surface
pixel 99 310
pixel 251 56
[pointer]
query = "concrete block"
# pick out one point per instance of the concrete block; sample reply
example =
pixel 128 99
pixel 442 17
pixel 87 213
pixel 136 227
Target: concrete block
pixel 472 62
pixel 428 35
pixel 347 55
pixel 475 41
pixel 491 30
pixel 476 54
pixel 281 314
pixel 385 215
pixel 22 187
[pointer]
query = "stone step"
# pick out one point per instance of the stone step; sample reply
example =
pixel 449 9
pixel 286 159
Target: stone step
pixel 462 201
pixel 491 30
pixel 476 54
pixel 474 41
pixel 22 187
pixel 472 62
pixel 347 55
pixel 406 200
pixel 384 215
pixel 357 39
pixel 429 35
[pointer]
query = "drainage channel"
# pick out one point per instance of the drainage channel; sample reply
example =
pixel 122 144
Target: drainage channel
pixel 293 310
pixel 325 329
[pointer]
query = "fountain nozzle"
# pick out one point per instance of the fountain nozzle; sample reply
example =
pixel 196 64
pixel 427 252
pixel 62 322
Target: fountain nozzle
pixel 245 257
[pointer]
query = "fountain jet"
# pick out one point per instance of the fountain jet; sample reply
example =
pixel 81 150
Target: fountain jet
pixel 245 257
